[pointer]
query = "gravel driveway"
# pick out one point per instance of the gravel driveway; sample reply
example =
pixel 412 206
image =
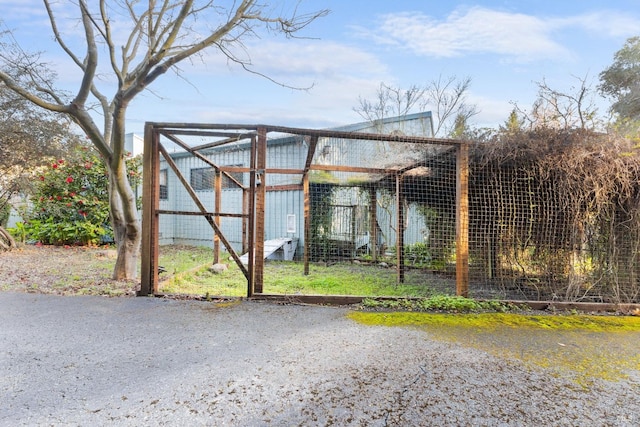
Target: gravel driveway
pixel 144 361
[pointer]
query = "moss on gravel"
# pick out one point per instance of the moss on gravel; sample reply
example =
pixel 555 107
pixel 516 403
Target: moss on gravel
pixel 587 348
pixel 493 320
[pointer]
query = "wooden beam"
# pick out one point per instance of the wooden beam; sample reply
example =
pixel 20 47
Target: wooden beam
pixel 284 171
pixel 231 137
pixel 217 183
pixel 196 131
pixel 313 143
pixel 245 169
pixel 284 187
pixel 199 213
pixel 150 204
pixel 356 169
pixel 307 223
pixel 252 217
pixel 228 168
pixel 261 165
pixel 245 223
pixel 213 129
pixel 462 221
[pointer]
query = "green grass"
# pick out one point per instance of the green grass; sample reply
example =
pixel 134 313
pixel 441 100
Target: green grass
pixel 337 279
pixel 187 273
pixel 448 303
pixel 178 259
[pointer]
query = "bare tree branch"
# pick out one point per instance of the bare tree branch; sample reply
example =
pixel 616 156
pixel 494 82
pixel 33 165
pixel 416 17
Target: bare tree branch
pixel 162 34
pixel 245 66
pixel 90 63
pixel 557 109
pixel 59 38
pixel 106 34
pixel 390 101
pixel 17 88
pixel 447 96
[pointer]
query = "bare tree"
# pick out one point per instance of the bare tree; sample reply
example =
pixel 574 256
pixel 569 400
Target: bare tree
pixel 390 101
pixel 446 97
pixel 161 35
pixel 555 109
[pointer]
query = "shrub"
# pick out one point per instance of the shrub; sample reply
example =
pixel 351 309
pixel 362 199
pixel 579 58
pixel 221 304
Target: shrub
pixel 5 210
pixel 418 254
pixel 71 202
pixel 447 303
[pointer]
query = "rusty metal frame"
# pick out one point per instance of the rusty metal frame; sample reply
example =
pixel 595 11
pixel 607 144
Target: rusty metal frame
pixel 254 195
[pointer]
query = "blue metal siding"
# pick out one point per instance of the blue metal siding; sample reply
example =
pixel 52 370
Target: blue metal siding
pixel 288 153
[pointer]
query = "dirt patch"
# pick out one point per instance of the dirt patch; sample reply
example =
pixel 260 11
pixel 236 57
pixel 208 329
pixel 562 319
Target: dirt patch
pixel 64 270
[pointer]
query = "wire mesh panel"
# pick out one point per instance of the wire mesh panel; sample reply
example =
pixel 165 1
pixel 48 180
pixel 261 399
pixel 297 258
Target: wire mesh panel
pixel 334 212
pixel 197 192
pixel 554 216
pixel 328 212
pixel 355 225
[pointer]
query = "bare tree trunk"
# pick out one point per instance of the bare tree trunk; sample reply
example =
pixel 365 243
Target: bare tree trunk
pixel 161 36
pixel 122 200
pixel 6 240
pixel 126 226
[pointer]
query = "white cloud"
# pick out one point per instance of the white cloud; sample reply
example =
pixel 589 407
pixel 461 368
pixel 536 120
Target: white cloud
pixel 492 111
pixel 20 9
pixel 478 30
pixel 602 23
pixel 475 30
pixel 301 60
pixel 338 74
pixel 330 102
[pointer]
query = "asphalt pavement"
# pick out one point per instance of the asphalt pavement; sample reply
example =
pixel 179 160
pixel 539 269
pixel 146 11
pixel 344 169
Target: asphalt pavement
pixel 94 361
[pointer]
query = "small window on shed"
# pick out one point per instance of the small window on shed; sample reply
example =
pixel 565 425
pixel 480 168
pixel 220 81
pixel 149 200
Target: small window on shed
pixel 203 179
pixel 164 192
pixel 238 176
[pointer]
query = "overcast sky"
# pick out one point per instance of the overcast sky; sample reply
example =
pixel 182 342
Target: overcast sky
pixel 503 46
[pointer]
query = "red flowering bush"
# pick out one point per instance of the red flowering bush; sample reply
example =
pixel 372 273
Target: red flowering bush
pixel 71 203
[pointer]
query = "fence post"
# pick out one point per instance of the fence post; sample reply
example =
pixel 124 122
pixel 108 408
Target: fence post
pixel 246 195
pixel 313 143
pixel 462 220
pixel 307 222
pixel 217 184
pixel 251 219
pixel 259 212
pixel 150 205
